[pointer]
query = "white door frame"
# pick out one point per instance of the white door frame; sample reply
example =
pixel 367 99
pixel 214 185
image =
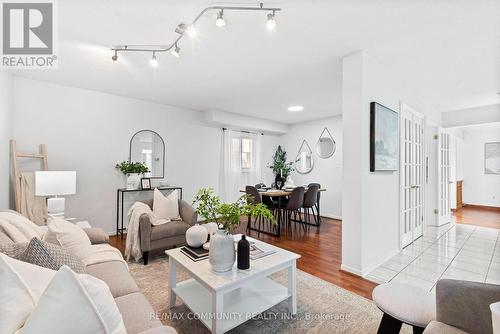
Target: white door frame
pixel 415 186
pixel 444 182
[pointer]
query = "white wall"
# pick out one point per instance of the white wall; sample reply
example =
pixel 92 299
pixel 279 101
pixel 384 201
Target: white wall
pixel 370 204
pixel 479 188
pixel 6 111
pixel 327 172
pixel 470 116
pixel 89 132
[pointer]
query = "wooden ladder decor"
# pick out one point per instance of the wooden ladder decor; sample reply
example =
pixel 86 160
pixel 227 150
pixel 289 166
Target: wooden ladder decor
pixel 16 172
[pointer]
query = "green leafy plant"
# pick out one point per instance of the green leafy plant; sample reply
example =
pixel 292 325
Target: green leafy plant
pixel 227 215
pixel 279 164
pixel 127 167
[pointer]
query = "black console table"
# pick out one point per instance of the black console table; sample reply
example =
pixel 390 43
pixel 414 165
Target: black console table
pixel 119 203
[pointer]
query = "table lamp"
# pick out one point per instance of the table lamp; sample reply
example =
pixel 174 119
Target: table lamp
pixel 53 184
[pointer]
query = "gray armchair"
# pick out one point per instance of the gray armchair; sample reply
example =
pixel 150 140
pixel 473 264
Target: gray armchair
pixel 463 307
pixel 166 235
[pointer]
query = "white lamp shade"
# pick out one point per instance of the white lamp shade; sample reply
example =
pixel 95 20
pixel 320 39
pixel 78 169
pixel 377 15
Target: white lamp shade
pixel 55 183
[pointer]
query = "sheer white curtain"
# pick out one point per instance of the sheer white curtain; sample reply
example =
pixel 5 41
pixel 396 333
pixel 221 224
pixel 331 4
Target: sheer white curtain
pixel 240 162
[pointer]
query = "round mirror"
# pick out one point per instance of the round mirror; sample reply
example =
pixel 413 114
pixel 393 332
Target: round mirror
pixel 325 147
pixel 304 162
pixel 148 147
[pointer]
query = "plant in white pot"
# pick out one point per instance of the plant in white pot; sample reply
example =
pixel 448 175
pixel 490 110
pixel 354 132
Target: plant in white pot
pixel 133 172
pixel 227 216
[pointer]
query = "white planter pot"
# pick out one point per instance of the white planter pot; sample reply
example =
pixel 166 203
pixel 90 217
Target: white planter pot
pixel 222 253
pixel 133 181
pixel 196 236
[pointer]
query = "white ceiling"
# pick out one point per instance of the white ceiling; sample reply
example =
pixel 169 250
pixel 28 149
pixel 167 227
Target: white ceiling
pixel 450 49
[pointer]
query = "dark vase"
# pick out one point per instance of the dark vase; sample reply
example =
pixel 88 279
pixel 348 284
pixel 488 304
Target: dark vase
pixel 243 253
pixel 279 181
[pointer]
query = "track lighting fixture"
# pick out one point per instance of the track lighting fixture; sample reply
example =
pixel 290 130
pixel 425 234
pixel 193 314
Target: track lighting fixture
pixel 189 29
pixel 175 51
pixel 220 19
pixel 154 61
pixel 271 22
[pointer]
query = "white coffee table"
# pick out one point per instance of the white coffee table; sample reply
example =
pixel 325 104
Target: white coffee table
pixel 226 300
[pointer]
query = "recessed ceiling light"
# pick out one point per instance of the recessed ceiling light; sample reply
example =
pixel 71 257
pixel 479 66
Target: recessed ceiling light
pixel 295 108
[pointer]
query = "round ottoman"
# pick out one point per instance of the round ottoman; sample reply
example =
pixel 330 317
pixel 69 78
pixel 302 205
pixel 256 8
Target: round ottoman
pixel 403 303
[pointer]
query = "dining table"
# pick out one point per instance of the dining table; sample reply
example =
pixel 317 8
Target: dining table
pixel 279 194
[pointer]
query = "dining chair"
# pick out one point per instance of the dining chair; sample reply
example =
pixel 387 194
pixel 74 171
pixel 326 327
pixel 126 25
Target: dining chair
pixel 253 197
pixel 319 198
pixel 268 201
pixel 295 202
pixel 310 201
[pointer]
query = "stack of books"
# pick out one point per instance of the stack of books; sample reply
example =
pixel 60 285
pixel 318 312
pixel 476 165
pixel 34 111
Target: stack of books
pixel 195 254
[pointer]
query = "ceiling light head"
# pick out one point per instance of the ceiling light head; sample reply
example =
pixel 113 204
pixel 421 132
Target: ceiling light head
pixel 220 19
pixel 175 51
pixel 271 22
pixel 154 60
pixel 181 29
pixel 295 108
pixel 115 56
pixel 191 31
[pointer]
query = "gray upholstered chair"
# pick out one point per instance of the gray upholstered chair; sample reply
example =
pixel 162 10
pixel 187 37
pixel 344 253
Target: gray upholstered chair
pixel 310 201
pixel 295 202
pixel 166 235
pixel 463 307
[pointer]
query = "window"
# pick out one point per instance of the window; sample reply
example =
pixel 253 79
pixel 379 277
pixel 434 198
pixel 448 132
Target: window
pixel 246 153
pixel 242 153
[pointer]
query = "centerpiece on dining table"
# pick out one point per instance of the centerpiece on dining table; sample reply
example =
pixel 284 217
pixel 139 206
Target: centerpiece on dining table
pixel 281 168
pixel 227 216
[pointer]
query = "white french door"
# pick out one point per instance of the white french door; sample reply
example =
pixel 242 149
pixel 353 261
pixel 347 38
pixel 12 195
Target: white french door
pixel 444 178
pixel 411 175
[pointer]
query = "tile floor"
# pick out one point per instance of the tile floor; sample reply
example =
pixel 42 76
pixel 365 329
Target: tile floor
pixel 454 251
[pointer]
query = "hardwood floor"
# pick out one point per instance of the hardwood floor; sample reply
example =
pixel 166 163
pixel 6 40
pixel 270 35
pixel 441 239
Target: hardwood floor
pixel 479 216
pixel 320 249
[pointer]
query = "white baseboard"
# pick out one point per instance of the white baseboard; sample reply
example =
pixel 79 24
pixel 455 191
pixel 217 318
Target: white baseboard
pixel 327 215
pixel 365 272
pixel 372 267
pixel 350 270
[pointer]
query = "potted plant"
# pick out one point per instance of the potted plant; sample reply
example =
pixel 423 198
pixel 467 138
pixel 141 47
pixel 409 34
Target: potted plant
pixel 281 168
pixel 133 172
pixel 227 216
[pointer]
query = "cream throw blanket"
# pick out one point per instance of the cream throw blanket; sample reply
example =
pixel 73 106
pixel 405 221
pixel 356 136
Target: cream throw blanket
pixel 133 242
pixel 103 253
pixel 32 207
pixel 19 228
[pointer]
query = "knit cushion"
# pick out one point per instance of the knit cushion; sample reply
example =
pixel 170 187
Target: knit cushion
pixel 45 254
pixel 14 250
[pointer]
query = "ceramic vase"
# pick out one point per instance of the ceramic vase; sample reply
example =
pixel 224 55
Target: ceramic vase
pixel 222 252
pixel 133 181
pixel 196 236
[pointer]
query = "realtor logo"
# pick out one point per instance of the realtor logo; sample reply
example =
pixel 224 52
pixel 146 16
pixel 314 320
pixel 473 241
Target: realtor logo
pixel 28 35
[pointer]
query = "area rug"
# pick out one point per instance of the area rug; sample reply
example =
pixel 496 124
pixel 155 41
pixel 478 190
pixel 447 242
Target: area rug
pixel 322 307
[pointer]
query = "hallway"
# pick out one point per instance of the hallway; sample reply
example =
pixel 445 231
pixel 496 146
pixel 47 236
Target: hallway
pixel 466 249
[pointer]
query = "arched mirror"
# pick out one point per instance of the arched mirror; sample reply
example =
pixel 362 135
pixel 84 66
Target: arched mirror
pixel 325 147
pixel 148 147
pixel 304 161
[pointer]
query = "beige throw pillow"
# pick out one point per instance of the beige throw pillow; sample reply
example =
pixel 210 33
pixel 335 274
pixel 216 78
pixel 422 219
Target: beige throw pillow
pixel 77 304
pixel 69 236
pixel 166 207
